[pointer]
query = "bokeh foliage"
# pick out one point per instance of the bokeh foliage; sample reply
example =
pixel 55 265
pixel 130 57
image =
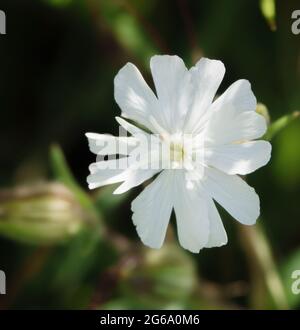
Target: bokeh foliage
pixel 58 61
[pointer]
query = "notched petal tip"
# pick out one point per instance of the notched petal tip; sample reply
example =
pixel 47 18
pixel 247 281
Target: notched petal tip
pixel 268 152
pixel 91 135
pixel 256 210
pixel 246 87
pixel 164 57
pixel 255 216
pixel 240 94
pixel 219 244
pixel 150 245
pixel 123 123
pixel 122 71
pixel 262 123
pixel 146 240
pixel 192 250
pixel 92 186
pixel 204 61
pixel 222 243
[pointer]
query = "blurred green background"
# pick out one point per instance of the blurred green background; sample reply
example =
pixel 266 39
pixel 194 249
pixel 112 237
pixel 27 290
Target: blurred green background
pixel 62 246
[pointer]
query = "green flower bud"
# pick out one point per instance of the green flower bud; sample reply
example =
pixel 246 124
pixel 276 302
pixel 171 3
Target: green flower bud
pixel 43 214
pixel 161 278
pixel 268 9
pixel 263 110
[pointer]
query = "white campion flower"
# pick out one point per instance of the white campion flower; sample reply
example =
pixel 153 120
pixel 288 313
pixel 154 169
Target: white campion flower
pixel 222 145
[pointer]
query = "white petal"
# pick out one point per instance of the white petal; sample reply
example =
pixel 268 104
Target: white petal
pixel 132 170
pixel 132 129
pixel 152 210
pixel 233 117
pixel 113 171
pixel 238 98
pixel 217 234
pixel 172 83
pixel 105 172
pixel 224 129
pixel 207 76
pixel 234 194
pixel 191 215
pixel 140 170
pixel 242 158
pixel 135 178
pixel 148 145
pixel 105 144
pixel 135 98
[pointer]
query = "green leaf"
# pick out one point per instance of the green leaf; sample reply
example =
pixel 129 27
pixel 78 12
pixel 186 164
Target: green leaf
pixel 72 271
pixel 85 252
pixel 63 174
pixel 268 9
pixel 277 126
pixel 127 30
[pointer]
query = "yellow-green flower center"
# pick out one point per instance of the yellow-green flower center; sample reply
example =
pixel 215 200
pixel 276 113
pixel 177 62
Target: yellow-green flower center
pixel 176 152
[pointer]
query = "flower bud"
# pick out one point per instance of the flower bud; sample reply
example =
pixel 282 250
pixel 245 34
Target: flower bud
pixel 263 110
pixel 43 214
pixel 159 278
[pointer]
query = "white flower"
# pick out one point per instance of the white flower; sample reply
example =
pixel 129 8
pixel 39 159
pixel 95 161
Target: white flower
pixel 222 145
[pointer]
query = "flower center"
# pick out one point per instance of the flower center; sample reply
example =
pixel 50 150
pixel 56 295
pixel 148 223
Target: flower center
pixel 176 152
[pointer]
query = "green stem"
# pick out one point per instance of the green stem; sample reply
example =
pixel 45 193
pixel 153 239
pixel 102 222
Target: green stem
pixel 259 250
pixel 278 125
